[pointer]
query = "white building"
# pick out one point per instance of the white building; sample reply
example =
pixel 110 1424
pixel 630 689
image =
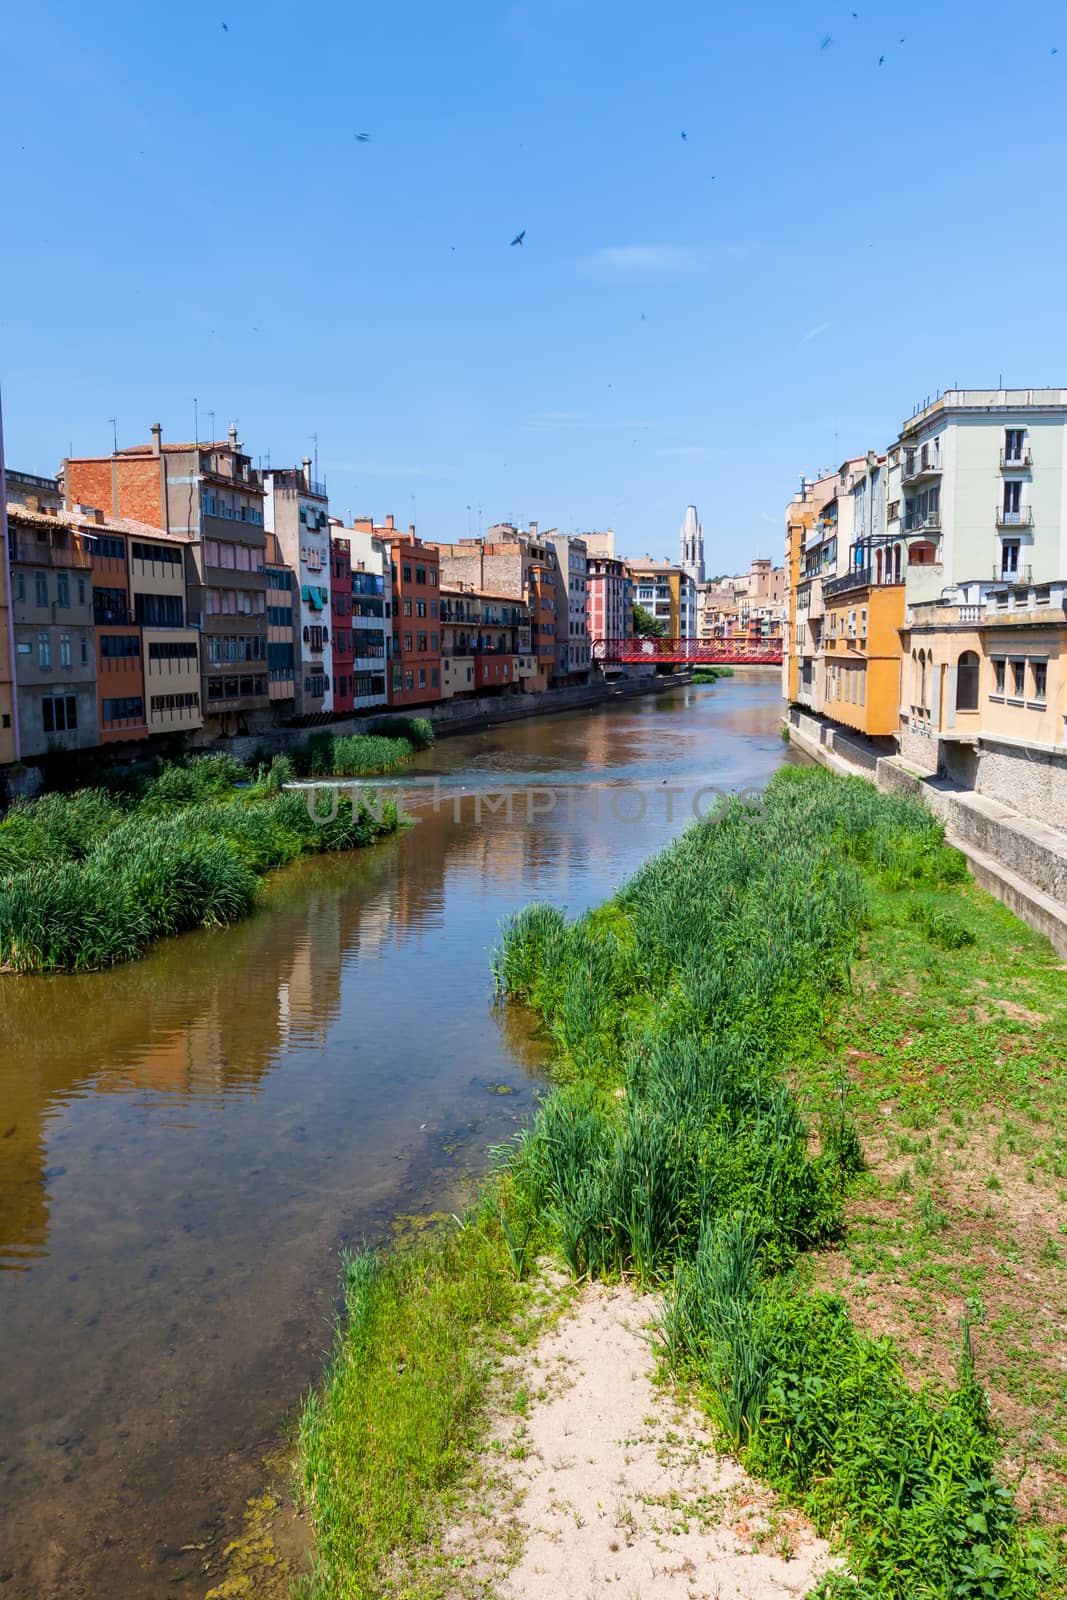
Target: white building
pixel 372 609
pixel 573 644
pixel 296 510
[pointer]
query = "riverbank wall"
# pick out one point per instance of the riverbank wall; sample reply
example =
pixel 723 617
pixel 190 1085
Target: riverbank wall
pixel 465 716
pixel 1019 859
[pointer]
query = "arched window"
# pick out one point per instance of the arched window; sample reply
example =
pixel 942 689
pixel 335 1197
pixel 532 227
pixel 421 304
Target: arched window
pixel 922 677
pixel 896 563
pixel 878 566
pixel 967 682
pixel 921 554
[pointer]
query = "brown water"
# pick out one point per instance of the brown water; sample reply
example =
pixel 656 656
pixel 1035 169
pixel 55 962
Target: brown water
pixel 186 1142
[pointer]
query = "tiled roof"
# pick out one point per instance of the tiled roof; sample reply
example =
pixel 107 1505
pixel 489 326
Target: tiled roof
pixel 147 449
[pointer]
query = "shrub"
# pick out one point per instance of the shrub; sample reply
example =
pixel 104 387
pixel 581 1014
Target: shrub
pixel 418 731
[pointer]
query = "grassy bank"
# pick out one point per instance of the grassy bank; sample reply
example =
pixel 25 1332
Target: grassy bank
pixel 710 674
pixel 685 1015
pixel 92 878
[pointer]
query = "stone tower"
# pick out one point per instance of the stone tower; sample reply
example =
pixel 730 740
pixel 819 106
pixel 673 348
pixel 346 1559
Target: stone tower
pixel 692 546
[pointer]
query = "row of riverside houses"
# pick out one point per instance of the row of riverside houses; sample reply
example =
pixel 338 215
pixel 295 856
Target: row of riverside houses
pixel 178 593
pixel 927 595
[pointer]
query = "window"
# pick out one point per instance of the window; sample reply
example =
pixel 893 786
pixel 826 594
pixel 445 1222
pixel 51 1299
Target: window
pixel 66 657
pixel 433 608
pixel 407 572
pixel 420 608
pixel 407 641
pixel 999 674
pixel 59 713
pixel 433 642
pixel 85 651
pixel 434 678
pixel 160 610
pixel 420 574
pixel 967 682
pixel 409 680
pixel 1014 445
pixel 1013 498
pixel 407 608
pixel 119 646
pixel 128 708
pixel 168 555
pixel 433 577
pixel 1018 678
pixel 81 591
pixel 1009 558
pixel 40 585
pixel 20 586
pixel 1040 672
pixel 396 680
pixel 422 677
pixel 63 590
pixel 44 650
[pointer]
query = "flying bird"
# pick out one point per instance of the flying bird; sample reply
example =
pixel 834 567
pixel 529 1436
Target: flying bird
pixel 225 27
pixel 1055 49
pixel 519 237
pixel 827 42
pixel 363 137
pixel 685 135
pixel 881 61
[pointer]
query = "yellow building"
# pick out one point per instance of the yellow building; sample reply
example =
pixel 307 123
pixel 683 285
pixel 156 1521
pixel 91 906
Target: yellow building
pixel 669 593
pixel 991 669
pixel 861 641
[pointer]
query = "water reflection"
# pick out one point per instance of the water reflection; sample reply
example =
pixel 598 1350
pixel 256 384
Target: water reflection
pixel 186 1140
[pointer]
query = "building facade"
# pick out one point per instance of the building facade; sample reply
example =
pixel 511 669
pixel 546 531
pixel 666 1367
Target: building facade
pixel 210 497
pixel 372 607
pixel 51 572
pixel 415 657
pixel 669 593
pixel 573 658
pixel 520 565
pixel 296 511
pixel 283 652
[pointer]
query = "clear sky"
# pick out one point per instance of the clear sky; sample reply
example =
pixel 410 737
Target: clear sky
pixel 188 212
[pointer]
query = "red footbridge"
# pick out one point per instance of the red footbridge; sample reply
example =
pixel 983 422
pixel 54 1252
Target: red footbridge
pixel 729 650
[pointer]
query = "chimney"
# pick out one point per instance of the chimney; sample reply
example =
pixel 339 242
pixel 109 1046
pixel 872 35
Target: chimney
pixel 233 437
pixel 533 530
pixel 157 439
pixel 411 529
pixel 306 464
pixel 389 522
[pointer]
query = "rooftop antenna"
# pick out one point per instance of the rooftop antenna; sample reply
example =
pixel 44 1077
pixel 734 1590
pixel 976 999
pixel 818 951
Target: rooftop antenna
pixel 470 529
pixel 114 436
pixel 414 518
pixel 211 415
pixel 196 422
pixel 315 443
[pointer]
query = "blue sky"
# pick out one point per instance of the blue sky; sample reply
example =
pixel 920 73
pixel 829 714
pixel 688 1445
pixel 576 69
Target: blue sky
pixel 189 213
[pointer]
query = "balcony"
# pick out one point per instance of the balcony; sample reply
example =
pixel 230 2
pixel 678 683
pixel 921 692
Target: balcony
pixel 1020 517
pixel 38 553
pixel 1014 575
pixel 923 466
pixel 1015 463
pixel 929 523
pixel 858 578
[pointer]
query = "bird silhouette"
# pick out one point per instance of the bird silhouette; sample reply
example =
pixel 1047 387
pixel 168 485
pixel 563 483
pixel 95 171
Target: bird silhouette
pixel 519 237
pixel 363 137
pixel 881 61
pixel 828 40
pixel 685 136
pixel 1055 50
pixel 225 27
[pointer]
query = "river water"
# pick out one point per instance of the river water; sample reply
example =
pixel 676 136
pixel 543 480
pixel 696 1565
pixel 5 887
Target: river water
pixel 186 1142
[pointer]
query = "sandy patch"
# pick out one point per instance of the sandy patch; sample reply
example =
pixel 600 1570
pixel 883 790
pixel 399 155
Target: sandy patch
pixel 608 1485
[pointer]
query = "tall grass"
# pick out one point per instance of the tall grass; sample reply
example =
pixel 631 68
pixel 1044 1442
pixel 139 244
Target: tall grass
pixel 87 881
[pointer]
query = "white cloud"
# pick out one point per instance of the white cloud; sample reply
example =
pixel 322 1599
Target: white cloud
pixel 813 333
pixel 657 260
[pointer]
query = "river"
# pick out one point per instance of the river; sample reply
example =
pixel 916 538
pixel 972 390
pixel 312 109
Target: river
pixel 187 1142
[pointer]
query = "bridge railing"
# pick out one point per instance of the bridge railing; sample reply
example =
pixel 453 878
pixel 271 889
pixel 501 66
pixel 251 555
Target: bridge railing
pixel 740 649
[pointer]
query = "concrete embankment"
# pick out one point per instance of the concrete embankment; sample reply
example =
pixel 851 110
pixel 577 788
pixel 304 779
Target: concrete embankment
pixel 466 716
pixel 1018 859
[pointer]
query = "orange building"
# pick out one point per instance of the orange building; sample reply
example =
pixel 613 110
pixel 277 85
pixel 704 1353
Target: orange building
pixel 415 661
pixel 120 691
pixel 861 683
